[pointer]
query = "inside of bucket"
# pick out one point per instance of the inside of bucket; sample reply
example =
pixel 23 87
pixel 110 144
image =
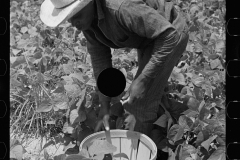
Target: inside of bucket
pixel 134 149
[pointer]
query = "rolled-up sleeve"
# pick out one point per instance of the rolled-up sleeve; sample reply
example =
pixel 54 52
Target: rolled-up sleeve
pixel 100 57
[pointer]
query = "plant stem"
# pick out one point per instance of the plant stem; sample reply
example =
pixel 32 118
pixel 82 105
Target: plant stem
pixel 45 91
pixel 19 117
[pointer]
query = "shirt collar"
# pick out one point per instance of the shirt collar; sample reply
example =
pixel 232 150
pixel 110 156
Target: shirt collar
pixel 100 14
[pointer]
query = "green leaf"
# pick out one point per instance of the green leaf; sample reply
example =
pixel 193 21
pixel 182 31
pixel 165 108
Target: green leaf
pixel 220 45
pixel 24 29
pixel 208 89
pixel 198 81
pixel 190 113
pixel 193 103
pixel 179 77
pixel 194 9
pixel 46 155
pixel 99 156
pixel 186 91
pixel 59 89
pixel 17 152
pixel 200 138
pixel 215 63
pixel 17 61
pixel 220 141
pixel 25 36
pixel 14 142
pixel 134 71
pixel 220 131
pixel 72 89
pixel 13 59
pixel 201 106
pixel 221 117
pixel 62 105
pixel 178 152
pixel 84 153
pixel 37 55
pixel 190 47
pixel 219 154
pixel 50 122
pixel 15 83
pixel 32 31
pixel 162 121
pixel 213 56
pixel 68 68
pixel 207 143
pixel 187 152
pixel 175 133
pixel 123 70
pixel 78 76
pixel 44 107
pixel 171 154
pixel 185 122
pixel 77 116
pixel 70 145
pixel 12 40
pixel 92 82
pixel 198 93
pixel 22 43
pixel 67 79
pixel 60 157
pixel 101 146
pixel 75 157
pixel 49 143
pixel 44 61
pixel 204 113
pixel 73 116
pixel 15 51
pixel 40 77
pixel 82 97
pixel 67 128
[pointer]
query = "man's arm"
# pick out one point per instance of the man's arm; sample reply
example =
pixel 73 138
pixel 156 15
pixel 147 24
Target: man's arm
pixel 100 57
pixel 145 21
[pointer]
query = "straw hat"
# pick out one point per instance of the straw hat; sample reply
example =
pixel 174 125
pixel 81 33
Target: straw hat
pixel 55 12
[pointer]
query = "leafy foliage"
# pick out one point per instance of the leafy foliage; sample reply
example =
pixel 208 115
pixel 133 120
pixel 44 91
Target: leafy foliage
pixel 53 91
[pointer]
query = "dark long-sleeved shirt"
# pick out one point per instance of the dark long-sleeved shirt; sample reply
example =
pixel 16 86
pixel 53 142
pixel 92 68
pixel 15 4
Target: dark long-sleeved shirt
pixel 127 23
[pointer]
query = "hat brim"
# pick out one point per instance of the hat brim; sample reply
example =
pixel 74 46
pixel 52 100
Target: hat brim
pixel 53 17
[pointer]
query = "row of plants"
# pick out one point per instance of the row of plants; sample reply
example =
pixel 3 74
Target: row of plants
pixel 53 91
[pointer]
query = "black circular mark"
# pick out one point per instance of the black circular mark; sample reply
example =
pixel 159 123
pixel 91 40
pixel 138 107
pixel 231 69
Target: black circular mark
pixel 3 149
pixel 3 109
pixel 3 26
pixel 111 82
pixel 3 67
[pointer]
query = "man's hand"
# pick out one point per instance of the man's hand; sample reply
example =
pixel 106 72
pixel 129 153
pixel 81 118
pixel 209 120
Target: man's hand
pixel 137 89
pixel 103 117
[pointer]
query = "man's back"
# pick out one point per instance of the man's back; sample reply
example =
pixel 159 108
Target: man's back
pixel 129 23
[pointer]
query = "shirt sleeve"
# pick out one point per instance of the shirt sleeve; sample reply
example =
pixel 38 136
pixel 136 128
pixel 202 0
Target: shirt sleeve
pixel 100 57
pixel 162 49
pixel 139 18
pixel 136 16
